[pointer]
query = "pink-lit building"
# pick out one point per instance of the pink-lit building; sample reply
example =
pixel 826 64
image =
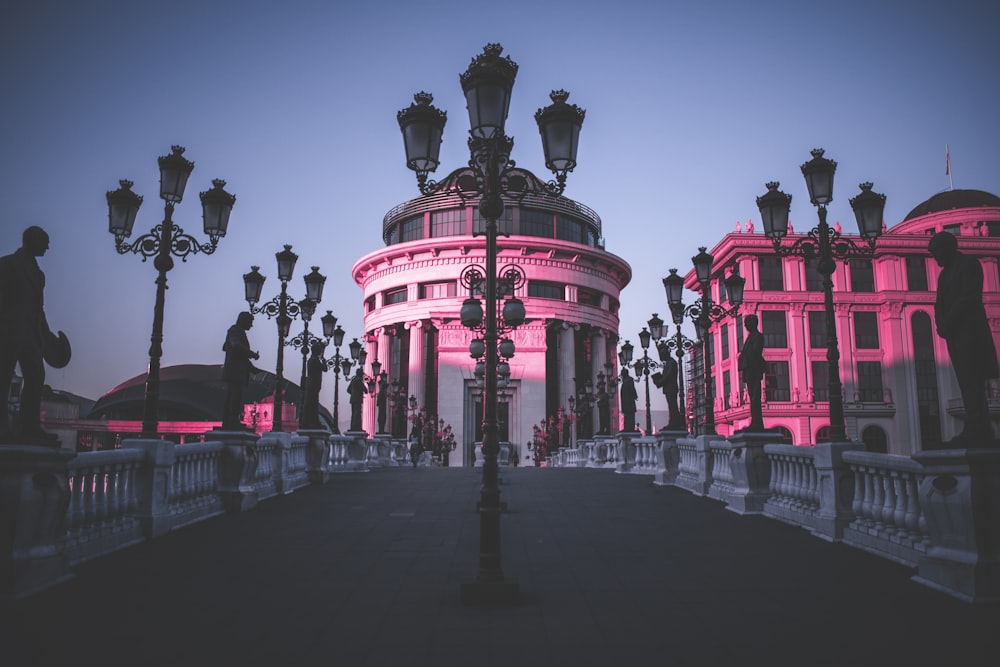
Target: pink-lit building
pixel 413 296
pixel 900 392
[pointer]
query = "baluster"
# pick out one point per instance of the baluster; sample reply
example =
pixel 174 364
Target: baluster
pixel 859 491
pixel 76 501
pixel 88 497
pixel 114 502
pixel 866 503
pixel 878 501
pixel 899 513
pixel 911 520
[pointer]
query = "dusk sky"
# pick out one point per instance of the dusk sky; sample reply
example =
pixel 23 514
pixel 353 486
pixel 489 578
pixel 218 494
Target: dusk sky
pixel 691 108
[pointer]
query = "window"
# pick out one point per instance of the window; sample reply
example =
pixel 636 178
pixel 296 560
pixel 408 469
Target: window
pixel 776 386
pixel 875 440
pixel 772 325
pixel 613 306
pixel 771 279
pixel 928 407
pixel 544 290
pixel 725 343
pixel 817 329
pixel 723 292
pixel 823 434
pixel 786 435
pixel 814 281
pixel 369 304
pixel 992 228
pixel 862 275
pixel 392 296
pixel 916 274
pixel 739 333
pixel 588 297
pixel 726 388
pixel 536 223
pixel 412 229
pixel 568 229
pixel 448 223
pixel 821 380
pixel 870 382
pixel 505 223
pixel 438 290
pixel 866 330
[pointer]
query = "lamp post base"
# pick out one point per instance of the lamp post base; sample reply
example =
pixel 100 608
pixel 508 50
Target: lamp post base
pixel 500 593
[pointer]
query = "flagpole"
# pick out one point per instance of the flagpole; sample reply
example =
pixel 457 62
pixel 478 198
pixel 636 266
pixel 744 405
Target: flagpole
pixel 947 167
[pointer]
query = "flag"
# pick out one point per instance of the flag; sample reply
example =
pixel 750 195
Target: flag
pixel 947 161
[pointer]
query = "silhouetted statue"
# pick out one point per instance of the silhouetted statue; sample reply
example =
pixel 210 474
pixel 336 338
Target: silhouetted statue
pixel 25 337
pixel 315 368
pixel 668 383
pixel 603 411
pixel 356 389
pixel 236 370
pixel 381 400
pixel 399 416
pixel 628 396
pixel 752 366
pixel 960 318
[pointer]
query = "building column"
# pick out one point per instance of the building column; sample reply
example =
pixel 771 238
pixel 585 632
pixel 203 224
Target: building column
pixel 799 370
pixel 598 357
pixel 418 361
pixel 567 363
pixel 368 423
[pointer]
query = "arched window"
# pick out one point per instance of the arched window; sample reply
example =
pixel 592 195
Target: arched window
pixel 875 439
pixel 823 434
pixel 786 435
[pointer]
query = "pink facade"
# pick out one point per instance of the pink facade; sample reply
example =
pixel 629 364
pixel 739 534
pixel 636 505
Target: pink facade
pixel 899 388
pixel 413 297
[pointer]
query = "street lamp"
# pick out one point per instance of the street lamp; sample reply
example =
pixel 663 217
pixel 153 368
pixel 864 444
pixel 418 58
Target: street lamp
pixel 704 313
pixel 161 242
pixel 333 330
pixel 283 309
pixel 487 84
pixel 825 245
pixel 656 325
pixel 678 343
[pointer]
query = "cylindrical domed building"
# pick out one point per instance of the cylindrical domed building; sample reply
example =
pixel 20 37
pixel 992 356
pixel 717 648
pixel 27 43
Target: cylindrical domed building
pixel 413 295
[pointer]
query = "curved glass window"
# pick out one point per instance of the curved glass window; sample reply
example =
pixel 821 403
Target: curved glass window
pixel 544 290
pixel 448 223
pixel 536 223
pixel 392 296
pixel 568 229
pixel 412 229
pixel 786 435
pixel 505 224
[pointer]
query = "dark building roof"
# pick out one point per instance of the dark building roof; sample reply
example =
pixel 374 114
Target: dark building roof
pixel 188 392
pixel 952 199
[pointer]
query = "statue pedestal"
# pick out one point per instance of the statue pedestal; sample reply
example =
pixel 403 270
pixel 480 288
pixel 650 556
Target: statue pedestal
pixel 751 472
pixel 237 469
pixel 959 495
pixel 670 457
pixel 317 455
pixel 34 497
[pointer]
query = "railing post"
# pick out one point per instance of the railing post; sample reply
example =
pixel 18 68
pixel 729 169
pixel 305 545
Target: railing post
pixel 958 495
pixel 34 497
pixel 282 443
pixel 153 485
pixel 836 488
pixel 626 449
pixel 669 457
pixel 751 472
pixel 317 455
pixel 237 468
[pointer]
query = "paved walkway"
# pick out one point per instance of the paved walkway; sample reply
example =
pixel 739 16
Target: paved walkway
pixel 613 571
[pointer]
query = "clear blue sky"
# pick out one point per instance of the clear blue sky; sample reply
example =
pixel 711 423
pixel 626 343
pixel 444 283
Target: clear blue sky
pixel 691 108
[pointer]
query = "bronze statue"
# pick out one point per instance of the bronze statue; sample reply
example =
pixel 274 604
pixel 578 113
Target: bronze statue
pixel 960 318
pixel 752 366
pixel 603 411
pixel 25 337
pixel 381 400
pixel 667 381
pixel 315 368
pixel 356 389
pixel 236 370
pixel 628 396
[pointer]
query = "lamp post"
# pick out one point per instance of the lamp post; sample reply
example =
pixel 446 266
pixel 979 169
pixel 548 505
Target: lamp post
pixel 491 174
pixel 825 245
pixel 644 337
pixel 704 313
pixel 161 242
pixel 333 330
pixel 678 343
pixel 581 405
pixel 283 309
pixel 304 340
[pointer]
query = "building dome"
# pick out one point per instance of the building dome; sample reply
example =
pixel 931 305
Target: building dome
pixel 953 199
